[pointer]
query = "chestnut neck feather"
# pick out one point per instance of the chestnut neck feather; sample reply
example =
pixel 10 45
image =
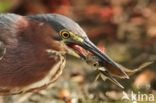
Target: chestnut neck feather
pixel 27 61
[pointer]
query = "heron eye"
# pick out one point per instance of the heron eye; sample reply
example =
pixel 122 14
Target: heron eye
pixel 65 34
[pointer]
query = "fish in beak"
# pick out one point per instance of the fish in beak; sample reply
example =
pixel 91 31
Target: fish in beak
pixel 107 68
pixel 104 61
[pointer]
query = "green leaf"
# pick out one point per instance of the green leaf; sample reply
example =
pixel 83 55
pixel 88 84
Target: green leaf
pixel 5 6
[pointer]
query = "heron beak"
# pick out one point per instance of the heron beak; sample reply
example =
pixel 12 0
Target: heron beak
pixel 104 60
pixel 88 45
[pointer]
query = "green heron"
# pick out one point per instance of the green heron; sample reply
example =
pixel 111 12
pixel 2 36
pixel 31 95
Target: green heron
pixel 33 48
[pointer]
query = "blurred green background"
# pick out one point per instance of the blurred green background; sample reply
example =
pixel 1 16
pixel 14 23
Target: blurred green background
pixel 126 29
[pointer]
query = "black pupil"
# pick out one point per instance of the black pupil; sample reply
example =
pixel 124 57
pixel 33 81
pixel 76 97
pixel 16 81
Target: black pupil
pixel 95 64
pixel 65 34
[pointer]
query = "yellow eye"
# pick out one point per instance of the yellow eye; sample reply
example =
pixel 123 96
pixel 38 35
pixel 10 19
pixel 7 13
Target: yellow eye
pixel 65 34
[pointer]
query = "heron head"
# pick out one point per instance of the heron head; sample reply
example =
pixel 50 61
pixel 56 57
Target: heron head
pixel 74 36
